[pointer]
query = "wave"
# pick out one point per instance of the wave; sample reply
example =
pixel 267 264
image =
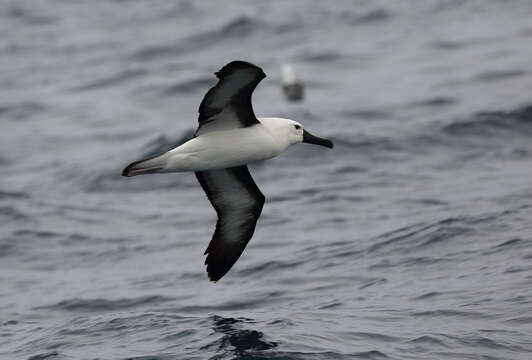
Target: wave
pixel 493 123
pixel 430 340
pixel 151 357
pixel 449 5
pixel 44 356
pixel 13 194
pixel 417 245
pixel 505 133
pixel 23 110
pixel 10 213
pixel 236 29
pixel 367 143
pixel 414 237
pixel 323 56
pixel 188 86
pixel 435 102
pixel 269 267
pixel 368 114
pixel 242 26
pixel 28 17
pixel 99 304
pixel 370 17
pixel 115 79
pixel 40 234
pixel 240 341
pixel 495 75
pixel 428 295
pixel 450 44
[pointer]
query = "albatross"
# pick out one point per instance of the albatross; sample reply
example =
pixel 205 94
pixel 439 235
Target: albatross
pixel 229 136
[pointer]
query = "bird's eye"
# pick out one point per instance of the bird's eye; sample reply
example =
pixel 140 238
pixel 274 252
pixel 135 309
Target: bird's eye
pixel 297 127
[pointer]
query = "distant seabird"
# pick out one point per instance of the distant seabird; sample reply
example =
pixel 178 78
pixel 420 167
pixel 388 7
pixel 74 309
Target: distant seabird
pixel 293 88
pixel 229 137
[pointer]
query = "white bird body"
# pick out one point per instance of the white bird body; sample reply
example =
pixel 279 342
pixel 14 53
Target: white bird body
pixel 234 148
pixel 229 136
pixel 219 149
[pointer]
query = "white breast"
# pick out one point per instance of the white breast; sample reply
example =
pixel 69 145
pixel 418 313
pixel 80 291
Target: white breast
pixel 223 149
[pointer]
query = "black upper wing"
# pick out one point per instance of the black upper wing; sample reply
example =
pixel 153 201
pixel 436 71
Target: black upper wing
pixel 238 203
pixel 228 104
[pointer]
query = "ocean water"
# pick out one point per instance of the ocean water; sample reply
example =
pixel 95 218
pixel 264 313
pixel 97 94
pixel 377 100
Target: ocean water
pixel 411 239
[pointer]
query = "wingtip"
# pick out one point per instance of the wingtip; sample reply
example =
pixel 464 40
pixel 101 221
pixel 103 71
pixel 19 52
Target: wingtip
pixel 213 277
pixel 215 273
pixel 236 65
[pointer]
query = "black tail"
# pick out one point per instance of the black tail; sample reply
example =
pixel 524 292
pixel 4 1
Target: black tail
pixel 146 166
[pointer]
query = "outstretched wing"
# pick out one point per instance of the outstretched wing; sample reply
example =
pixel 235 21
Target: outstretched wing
pixel 227 105
pixel 238 203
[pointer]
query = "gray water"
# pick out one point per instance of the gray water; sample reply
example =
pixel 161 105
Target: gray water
pixel 411 239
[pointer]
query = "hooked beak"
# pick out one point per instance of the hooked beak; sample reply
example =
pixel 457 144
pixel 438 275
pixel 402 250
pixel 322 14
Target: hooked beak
pixel 311 139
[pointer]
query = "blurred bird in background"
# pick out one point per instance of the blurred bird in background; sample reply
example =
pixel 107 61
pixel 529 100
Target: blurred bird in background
pixel 293 88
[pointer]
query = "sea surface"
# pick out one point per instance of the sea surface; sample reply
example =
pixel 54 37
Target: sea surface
pixel 411 239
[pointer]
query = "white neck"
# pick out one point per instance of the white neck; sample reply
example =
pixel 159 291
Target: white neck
pixel 277 127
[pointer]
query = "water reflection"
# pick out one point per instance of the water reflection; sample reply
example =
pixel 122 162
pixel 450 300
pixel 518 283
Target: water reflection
pixel 238 343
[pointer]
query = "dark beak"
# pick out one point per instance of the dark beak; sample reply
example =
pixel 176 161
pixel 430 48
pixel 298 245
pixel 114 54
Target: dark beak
pixel 311 139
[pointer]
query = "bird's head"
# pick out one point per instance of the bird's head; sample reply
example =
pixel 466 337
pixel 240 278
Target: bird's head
pixel 290 132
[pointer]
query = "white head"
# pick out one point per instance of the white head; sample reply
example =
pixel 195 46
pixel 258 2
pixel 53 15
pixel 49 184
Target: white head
pixel 289 132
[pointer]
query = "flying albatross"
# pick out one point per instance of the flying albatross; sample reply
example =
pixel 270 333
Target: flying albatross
pixel 229 136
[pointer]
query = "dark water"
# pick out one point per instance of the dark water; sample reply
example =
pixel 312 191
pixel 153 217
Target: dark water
pixel 412 239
